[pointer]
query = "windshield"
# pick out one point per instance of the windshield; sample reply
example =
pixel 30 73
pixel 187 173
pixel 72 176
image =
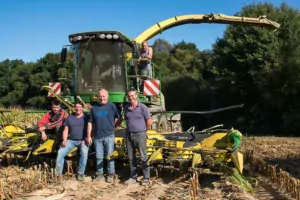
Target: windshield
pixel 100 65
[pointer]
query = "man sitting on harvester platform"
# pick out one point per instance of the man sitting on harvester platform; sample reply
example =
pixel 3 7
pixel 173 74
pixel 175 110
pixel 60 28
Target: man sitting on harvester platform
pixel 74 126
pixel 52 121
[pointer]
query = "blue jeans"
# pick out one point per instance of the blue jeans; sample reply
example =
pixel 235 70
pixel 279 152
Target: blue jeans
pixel 103 148
pixel 63 151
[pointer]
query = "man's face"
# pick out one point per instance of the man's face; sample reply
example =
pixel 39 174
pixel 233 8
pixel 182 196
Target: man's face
pixel 145 46
pixel 103 97
pixel 132 96
pixel 78 109
pixel 55 108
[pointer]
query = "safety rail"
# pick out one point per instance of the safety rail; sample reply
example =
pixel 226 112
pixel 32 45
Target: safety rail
pixel 136 77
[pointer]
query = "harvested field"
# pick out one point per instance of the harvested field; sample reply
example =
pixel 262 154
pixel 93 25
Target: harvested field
pixel 264 157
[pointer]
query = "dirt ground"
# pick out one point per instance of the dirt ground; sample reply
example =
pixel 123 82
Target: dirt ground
pixel 212 186
pixel 282 152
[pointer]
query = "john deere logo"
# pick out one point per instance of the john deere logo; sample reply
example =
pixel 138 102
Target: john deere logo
pixel 94 97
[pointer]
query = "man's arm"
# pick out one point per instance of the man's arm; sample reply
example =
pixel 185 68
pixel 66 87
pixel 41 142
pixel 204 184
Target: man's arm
pixel 147 57
pixel 88 133
pixel 119 122
pixel 147 116
pixel 89 128
pixel 148 123
pixel 65 136
pixel 118 116
pixel 150 53
pixel 43 122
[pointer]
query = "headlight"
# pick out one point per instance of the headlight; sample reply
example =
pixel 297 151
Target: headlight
pixel 109 36
pixel 79 37
pixel 102 36
pixel 115 36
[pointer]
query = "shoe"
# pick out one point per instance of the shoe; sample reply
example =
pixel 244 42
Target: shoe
pixel 130 181
pixel 110 178
pixel 99 177
pixel 145 182
pixel 80 177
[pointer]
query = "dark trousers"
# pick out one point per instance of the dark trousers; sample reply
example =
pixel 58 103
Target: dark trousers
pixel 137 141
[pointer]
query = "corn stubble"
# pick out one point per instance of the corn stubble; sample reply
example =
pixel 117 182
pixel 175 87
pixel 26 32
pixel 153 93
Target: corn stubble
pixel 16 181
pixel 260 152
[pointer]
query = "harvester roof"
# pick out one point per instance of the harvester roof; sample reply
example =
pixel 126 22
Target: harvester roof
pixel 98 35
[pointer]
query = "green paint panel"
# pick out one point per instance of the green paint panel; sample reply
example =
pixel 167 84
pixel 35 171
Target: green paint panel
pixel 36 111
pixel 117 97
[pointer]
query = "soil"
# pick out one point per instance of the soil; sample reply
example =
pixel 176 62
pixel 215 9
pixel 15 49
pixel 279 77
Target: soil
pixel 282 152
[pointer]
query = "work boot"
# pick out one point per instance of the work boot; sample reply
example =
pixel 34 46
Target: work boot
pixel 99 177
pixel 145 182
pixel 80 177
pixel 130 181
pixel 110 178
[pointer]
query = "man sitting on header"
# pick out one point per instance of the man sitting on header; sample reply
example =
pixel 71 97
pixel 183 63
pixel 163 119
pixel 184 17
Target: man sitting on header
pixel 52 121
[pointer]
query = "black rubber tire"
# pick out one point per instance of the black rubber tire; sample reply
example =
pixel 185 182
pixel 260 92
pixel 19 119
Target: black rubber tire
pixel 163 124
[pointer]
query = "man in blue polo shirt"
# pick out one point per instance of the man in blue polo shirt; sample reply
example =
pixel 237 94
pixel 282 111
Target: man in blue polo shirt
pixel 103 115
pixel 138 120
pixel 75 126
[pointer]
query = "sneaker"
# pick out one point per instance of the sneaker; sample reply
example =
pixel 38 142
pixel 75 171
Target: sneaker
pixel 130 181
pixel 80 177
pixel 110 178
pixel 99 177
pixel 145 182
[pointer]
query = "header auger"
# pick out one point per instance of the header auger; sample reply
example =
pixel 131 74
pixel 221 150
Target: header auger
pixel 108 59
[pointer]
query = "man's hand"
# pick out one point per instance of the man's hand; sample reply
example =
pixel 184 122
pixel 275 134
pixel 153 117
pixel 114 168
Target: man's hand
pixel 64 143
pixel 89 140
pixel 44 136
pixel 41 129
pixel 83 143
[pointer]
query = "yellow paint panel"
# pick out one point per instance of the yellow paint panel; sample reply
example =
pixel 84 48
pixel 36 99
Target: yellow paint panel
pixel 218 140
pixel 46 147
pixel 238 160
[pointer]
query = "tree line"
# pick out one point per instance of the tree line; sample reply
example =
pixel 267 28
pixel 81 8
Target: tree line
pixel 250 65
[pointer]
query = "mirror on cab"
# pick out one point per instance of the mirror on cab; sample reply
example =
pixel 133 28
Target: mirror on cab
pixel 63 55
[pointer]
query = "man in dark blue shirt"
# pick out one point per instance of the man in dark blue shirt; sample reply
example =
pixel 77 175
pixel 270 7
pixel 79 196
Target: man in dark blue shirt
pixel 103 115
pixel 75 125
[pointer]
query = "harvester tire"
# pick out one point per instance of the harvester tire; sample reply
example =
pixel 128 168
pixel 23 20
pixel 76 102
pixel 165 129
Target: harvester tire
pixel 163 123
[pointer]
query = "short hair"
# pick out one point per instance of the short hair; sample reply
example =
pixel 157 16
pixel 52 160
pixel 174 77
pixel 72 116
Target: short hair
pixel 132 89
pixel 55 102
pixel 80 103
pixel 103 89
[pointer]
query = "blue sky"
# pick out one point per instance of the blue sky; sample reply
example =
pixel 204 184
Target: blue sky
pixel 32 28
